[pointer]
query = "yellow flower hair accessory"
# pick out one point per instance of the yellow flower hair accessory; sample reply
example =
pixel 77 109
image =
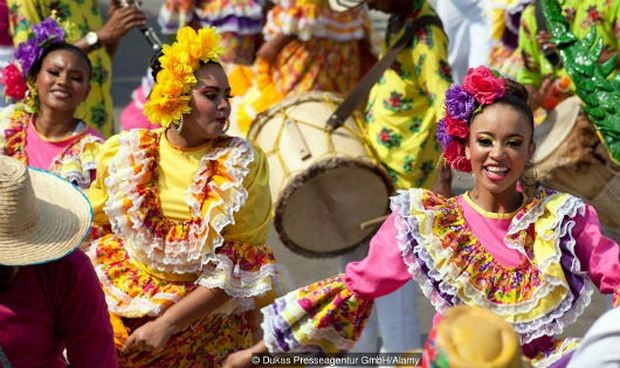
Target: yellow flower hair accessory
pixel 169 99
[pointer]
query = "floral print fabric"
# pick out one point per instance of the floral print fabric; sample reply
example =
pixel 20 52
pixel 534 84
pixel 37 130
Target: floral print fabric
pixel 149 262
pixel 324 316
pixel 406 103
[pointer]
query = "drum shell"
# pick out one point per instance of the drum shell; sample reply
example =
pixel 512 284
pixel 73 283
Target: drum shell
pixel 571 158
pixel 324 183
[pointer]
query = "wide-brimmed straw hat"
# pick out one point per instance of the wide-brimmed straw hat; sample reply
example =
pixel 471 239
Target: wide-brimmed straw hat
pixel 344 5
pixel 42 216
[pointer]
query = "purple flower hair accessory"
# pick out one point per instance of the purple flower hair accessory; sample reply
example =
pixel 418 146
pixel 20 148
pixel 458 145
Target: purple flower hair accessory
pixel 459 104
pixel 442 135
pixel 46 32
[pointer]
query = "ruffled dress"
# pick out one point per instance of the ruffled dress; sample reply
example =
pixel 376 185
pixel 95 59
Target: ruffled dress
pixel 329 52
pixel 169 220
pixel 73 158
pixel 535 268
pixel 239 22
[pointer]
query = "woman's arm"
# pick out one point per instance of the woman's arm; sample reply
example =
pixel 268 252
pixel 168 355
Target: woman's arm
pixel 195 305
pixel 270 49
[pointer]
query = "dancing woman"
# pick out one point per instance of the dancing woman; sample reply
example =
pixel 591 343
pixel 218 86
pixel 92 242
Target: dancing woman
pixel 531 257
pixel 44 131
pixel 182 214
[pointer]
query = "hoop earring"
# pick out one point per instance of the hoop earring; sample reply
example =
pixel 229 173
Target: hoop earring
pixel 226 126
pixel 178 128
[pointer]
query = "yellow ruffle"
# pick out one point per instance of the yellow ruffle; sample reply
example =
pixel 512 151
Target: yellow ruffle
pixel 534 296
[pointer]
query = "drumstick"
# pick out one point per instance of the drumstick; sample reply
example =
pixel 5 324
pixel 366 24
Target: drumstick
pixel 372 222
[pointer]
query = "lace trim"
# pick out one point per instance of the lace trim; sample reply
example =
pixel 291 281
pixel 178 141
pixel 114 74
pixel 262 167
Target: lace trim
pixel 236 282
pixel 79 160
pixel 412 243
pixel 127 183
pixel 274 323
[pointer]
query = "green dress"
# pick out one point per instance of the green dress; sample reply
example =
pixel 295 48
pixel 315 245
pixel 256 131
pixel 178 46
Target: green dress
pixel 97 109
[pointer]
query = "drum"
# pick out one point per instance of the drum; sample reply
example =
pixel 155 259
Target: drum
pixel 570 157
pixel 326 186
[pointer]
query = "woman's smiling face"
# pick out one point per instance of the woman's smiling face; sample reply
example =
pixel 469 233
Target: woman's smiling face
pixel 499 147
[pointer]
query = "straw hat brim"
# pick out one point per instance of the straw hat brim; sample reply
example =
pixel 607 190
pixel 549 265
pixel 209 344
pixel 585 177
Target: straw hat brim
pixel 64 220
pixel 344 5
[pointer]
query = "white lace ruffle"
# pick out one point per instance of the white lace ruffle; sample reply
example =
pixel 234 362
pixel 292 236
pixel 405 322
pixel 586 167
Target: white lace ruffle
pixel 274 321
pixel 132 307
pixel 412 227
pixel 185 255
pixel 81 167
pixel 239 284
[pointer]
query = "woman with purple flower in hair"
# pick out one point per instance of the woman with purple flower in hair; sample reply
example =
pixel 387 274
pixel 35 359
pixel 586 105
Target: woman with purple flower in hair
pixel 52 78
pixel 530 255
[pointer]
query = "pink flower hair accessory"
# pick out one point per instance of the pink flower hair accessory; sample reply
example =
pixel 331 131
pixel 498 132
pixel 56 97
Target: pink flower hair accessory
pixel 481 86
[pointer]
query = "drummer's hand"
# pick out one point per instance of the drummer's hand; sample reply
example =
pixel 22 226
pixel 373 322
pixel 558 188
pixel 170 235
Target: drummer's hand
pixel 544 41
pixel 536 95
pixel 150 336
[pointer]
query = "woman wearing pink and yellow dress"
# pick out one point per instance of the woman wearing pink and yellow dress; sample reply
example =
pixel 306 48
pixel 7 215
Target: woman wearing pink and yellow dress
pixel 44 131
pixel 529 254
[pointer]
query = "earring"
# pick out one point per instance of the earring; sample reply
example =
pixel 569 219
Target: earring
pixel 226 126
pixel 178 128
pixel 31 100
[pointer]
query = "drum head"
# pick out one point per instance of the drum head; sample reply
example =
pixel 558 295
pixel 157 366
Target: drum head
pixel 320 212
pixel 554 130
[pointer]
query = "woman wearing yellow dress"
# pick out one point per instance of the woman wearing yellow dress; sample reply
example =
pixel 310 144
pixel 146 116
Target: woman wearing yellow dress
pixel 181 216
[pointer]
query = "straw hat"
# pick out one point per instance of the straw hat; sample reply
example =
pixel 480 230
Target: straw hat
pixel 42 216
pixel 344 5
pixel 467 336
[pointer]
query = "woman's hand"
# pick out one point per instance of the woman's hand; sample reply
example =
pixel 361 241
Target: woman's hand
pixel 150 336
pixel 536 95
pixel 239 359
pixel 243 358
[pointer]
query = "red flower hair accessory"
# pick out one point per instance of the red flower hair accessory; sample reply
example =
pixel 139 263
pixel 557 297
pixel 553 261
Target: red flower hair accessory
pixel 481 86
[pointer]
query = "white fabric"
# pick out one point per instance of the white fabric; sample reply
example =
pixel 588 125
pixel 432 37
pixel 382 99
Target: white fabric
pixel 469 34
pixel 600 347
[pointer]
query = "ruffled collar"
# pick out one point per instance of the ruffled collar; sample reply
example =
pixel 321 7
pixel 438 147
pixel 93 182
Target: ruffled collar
pixel 452 266
pixel 133 207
